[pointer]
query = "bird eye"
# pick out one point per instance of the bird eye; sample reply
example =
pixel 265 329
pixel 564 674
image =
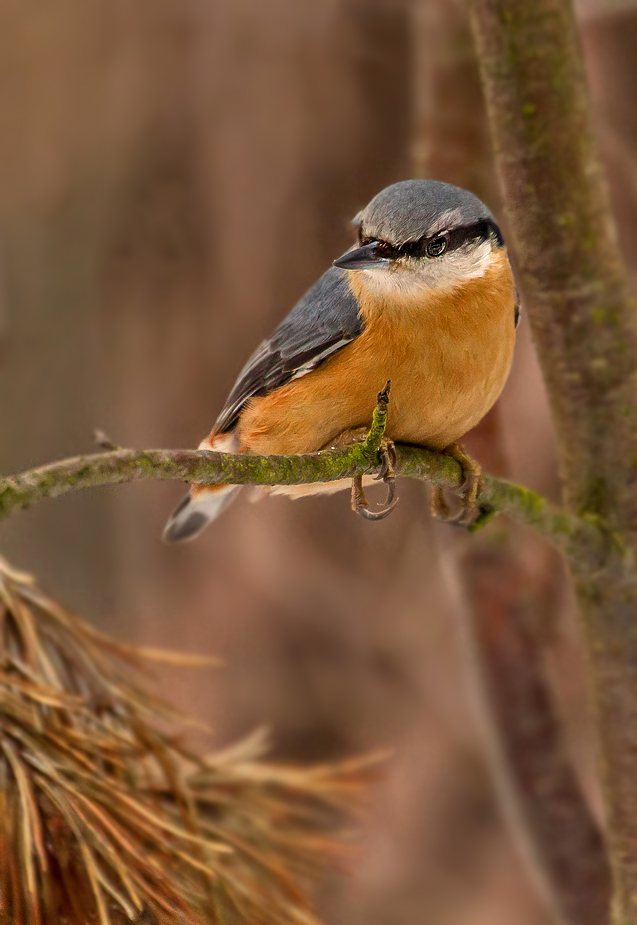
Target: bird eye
pixel 436 247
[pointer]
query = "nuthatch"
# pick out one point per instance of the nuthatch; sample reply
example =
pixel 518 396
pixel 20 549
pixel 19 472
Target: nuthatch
pixel 425 299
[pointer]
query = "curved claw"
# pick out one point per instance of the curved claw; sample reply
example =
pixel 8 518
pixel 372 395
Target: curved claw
pixel 390 501
pixel 376 515
pixel 388 460
pixel 439 507
pixel 468 491
pixel 462 519
pixel 384 512
pixel 440 510
pixel 361 505
pixel 384 469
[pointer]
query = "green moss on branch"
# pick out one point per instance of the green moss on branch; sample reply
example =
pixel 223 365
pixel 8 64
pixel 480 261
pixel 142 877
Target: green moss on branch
pixel 21 491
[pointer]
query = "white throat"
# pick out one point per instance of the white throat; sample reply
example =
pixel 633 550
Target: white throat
pixel 410 276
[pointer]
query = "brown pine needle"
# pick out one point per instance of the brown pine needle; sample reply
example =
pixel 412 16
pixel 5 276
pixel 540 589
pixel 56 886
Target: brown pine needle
pixel 104 820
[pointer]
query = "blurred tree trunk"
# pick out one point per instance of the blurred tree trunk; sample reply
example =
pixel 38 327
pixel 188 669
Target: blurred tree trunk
pixel 585 329
pixel 507 610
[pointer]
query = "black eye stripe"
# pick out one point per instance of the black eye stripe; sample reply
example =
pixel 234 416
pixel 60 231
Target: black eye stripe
pixel 480 231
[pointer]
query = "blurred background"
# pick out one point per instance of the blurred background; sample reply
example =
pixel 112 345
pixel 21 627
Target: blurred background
pixel 174 175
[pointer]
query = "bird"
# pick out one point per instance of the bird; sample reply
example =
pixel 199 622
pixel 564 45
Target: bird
pixel 425 298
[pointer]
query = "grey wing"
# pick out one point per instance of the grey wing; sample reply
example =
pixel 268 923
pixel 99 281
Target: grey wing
pixel 324 320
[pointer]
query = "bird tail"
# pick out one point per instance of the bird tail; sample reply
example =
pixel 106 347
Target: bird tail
pixel 200 507
pixel 203 503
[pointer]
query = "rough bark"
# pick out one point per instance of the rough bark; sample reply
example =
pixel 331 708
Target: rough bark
pixel 584 326
pixel 507 586
pixel 119 466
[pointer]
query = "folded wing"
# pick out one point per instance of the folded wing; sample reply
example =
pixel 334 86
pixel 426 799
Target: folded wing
pixel 324 321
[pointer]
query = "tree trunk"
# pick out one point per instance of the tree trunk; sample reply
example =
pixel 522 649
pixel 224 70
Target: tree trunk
pixel 507 610
pixel 584 326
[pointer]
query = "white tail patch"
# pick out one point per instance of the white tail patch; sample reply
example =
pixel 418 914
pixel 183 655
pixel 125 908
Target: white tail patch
pixel 202 504
pixel 222 443
pixel 196 511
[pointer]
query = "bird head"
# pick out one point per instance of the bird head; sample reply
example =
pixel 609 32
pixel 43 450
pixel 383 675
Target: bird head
pixel 422 234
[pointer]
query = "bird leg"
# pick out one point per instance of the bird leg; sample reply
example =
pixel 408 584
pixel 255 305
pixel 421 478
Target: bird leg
pixel 377 442
pixel 360 504
pixel 387 454
pixel 468 491
pixel 374 442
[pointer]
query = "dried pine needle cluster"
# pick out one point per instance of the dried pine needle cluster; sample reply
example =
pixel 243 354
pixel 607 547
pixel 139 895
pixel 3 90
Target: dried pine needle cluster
pixel 105 819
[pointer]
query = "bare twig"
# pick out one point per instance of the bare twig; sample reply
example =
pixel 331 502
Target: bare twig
pixel 102 440
pixel 385 450
pixel 50 481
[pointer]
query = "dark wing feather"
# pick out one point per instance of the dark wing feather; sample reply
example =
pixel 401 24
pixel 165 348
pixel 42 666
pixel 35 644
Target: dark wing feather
pixel 320 324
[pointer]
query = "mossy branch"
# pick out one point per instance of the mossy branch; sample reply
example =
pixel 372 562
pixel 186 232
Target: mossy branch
pixel 126 465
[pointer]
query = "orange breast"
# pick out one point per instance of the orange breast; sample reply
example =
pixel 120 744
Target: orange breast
pixel 447 354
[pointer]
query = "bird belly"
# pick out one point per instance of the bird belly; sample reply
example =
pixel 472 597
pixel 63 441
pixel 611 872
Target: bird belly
pixel 449 389
pixel 447 359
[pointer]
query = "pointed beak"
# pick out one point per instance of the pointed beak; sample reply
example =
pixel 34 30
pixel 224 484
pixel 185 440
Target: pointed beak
pixel 362 258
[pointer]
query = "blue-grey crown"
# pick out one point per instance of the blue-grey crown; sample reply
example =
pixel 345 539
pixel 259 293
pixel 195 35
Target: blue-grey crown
pixel 411 209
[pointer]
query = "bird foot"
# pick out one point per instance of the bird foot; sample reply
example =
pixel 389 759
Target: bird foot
pixel 388 460
pixel 360 503
pixel 468 491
